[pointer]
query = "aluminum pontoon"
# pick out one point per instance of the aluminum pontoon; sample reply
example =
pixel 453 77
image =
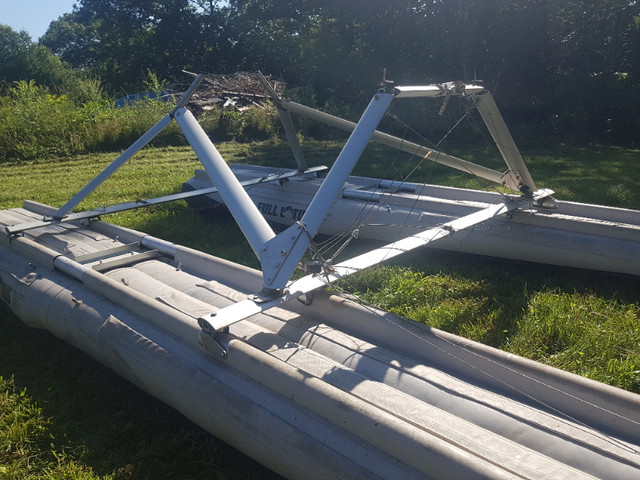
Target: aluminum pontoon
pixel 321 389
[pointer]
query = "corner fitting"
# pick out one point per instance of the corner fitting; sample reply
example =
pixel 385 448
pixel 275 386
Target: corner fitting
pixel 386 86
pixel 210 339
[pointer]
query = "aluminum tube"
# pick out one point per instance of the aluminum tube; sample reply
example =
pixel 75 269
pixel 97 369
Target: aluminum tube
pixel 364 195
pixel 189 93
pixel 39 208
pixel 287 123
pixel 285 251
pixel 253 225
pixel 503 139
pixel 398 186
pixel 431 91
pixel 154 243
pixel 345 162
pixel 292 138
pixel 117 163
pixel 403 145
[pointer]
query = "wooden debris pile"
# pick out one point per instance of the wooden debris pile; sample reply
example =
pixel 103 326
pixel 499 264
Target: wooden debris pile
pixel 238 91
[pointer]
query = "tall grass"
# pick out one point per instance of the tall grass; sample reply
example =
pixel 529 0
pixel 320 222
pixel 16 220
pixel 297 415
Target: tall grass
pixel 35 123
pixel 584 333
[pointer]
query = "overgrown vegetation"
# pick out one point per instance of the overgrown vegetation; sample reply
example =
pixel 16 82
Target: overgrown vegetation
pixel 582 332
pixel 568 66
pixel 35 123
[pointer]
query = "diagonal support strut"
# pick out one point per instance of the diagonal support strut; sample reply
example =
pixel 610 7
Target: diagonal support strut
pixel 227 316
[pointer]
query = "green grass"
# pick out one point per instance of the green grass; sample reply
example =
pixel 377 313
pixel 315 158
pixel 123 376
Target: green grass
pixel 599 175
pixel 583 322
pixel 583 332
pixel 64 416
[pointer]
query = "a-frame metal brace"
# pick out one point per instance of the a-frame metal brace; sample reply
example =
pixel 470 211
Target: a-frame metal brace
pixel 516 177
pixel 280 254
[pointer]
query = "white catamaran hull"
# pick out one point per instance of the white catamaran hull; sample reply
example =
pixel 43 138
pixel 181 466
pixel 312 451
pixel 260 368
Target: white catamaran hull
pixel 331 390
pixel 572 234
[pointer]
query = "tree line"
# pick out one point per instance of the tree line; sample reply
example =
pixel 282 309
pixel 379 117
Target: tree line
pixel 565 66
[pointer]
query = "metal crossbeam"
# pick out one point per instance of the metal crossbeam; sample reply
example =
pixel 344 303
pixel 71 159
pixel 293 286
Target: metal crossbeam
pixel 14 229
pixel 128 153
pixel 227 316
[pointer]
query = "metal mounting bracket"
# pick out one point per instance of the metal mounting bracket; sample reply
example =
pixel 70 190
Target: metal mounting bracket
pixel 210 342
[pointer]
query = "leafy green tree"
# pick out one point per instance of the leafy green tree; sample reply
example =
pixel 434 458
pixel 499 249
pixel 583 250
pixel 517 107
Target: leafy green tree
pixel 21 59
pixel 596 68
pixel 569 64
pixel 121 40
pixel 74 40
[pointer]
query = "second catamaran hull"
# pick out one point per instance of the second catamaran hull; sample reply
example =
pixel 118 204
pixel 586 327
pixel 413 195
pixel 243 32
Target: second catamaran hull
pixel 571 234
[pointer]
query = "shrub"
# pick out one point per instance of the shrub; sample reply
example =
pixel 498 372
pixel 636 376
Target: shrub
pixel 259 123
pixel 254 123
pixel 35 123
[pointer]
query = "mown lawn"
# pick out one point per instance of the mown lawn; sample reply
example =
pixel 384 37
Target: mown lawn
pixel 64 416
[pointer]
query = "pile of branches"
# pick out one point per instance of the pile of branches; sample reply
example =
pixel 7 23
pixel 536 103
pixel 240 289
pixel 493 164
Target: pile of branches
pixel 238 91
